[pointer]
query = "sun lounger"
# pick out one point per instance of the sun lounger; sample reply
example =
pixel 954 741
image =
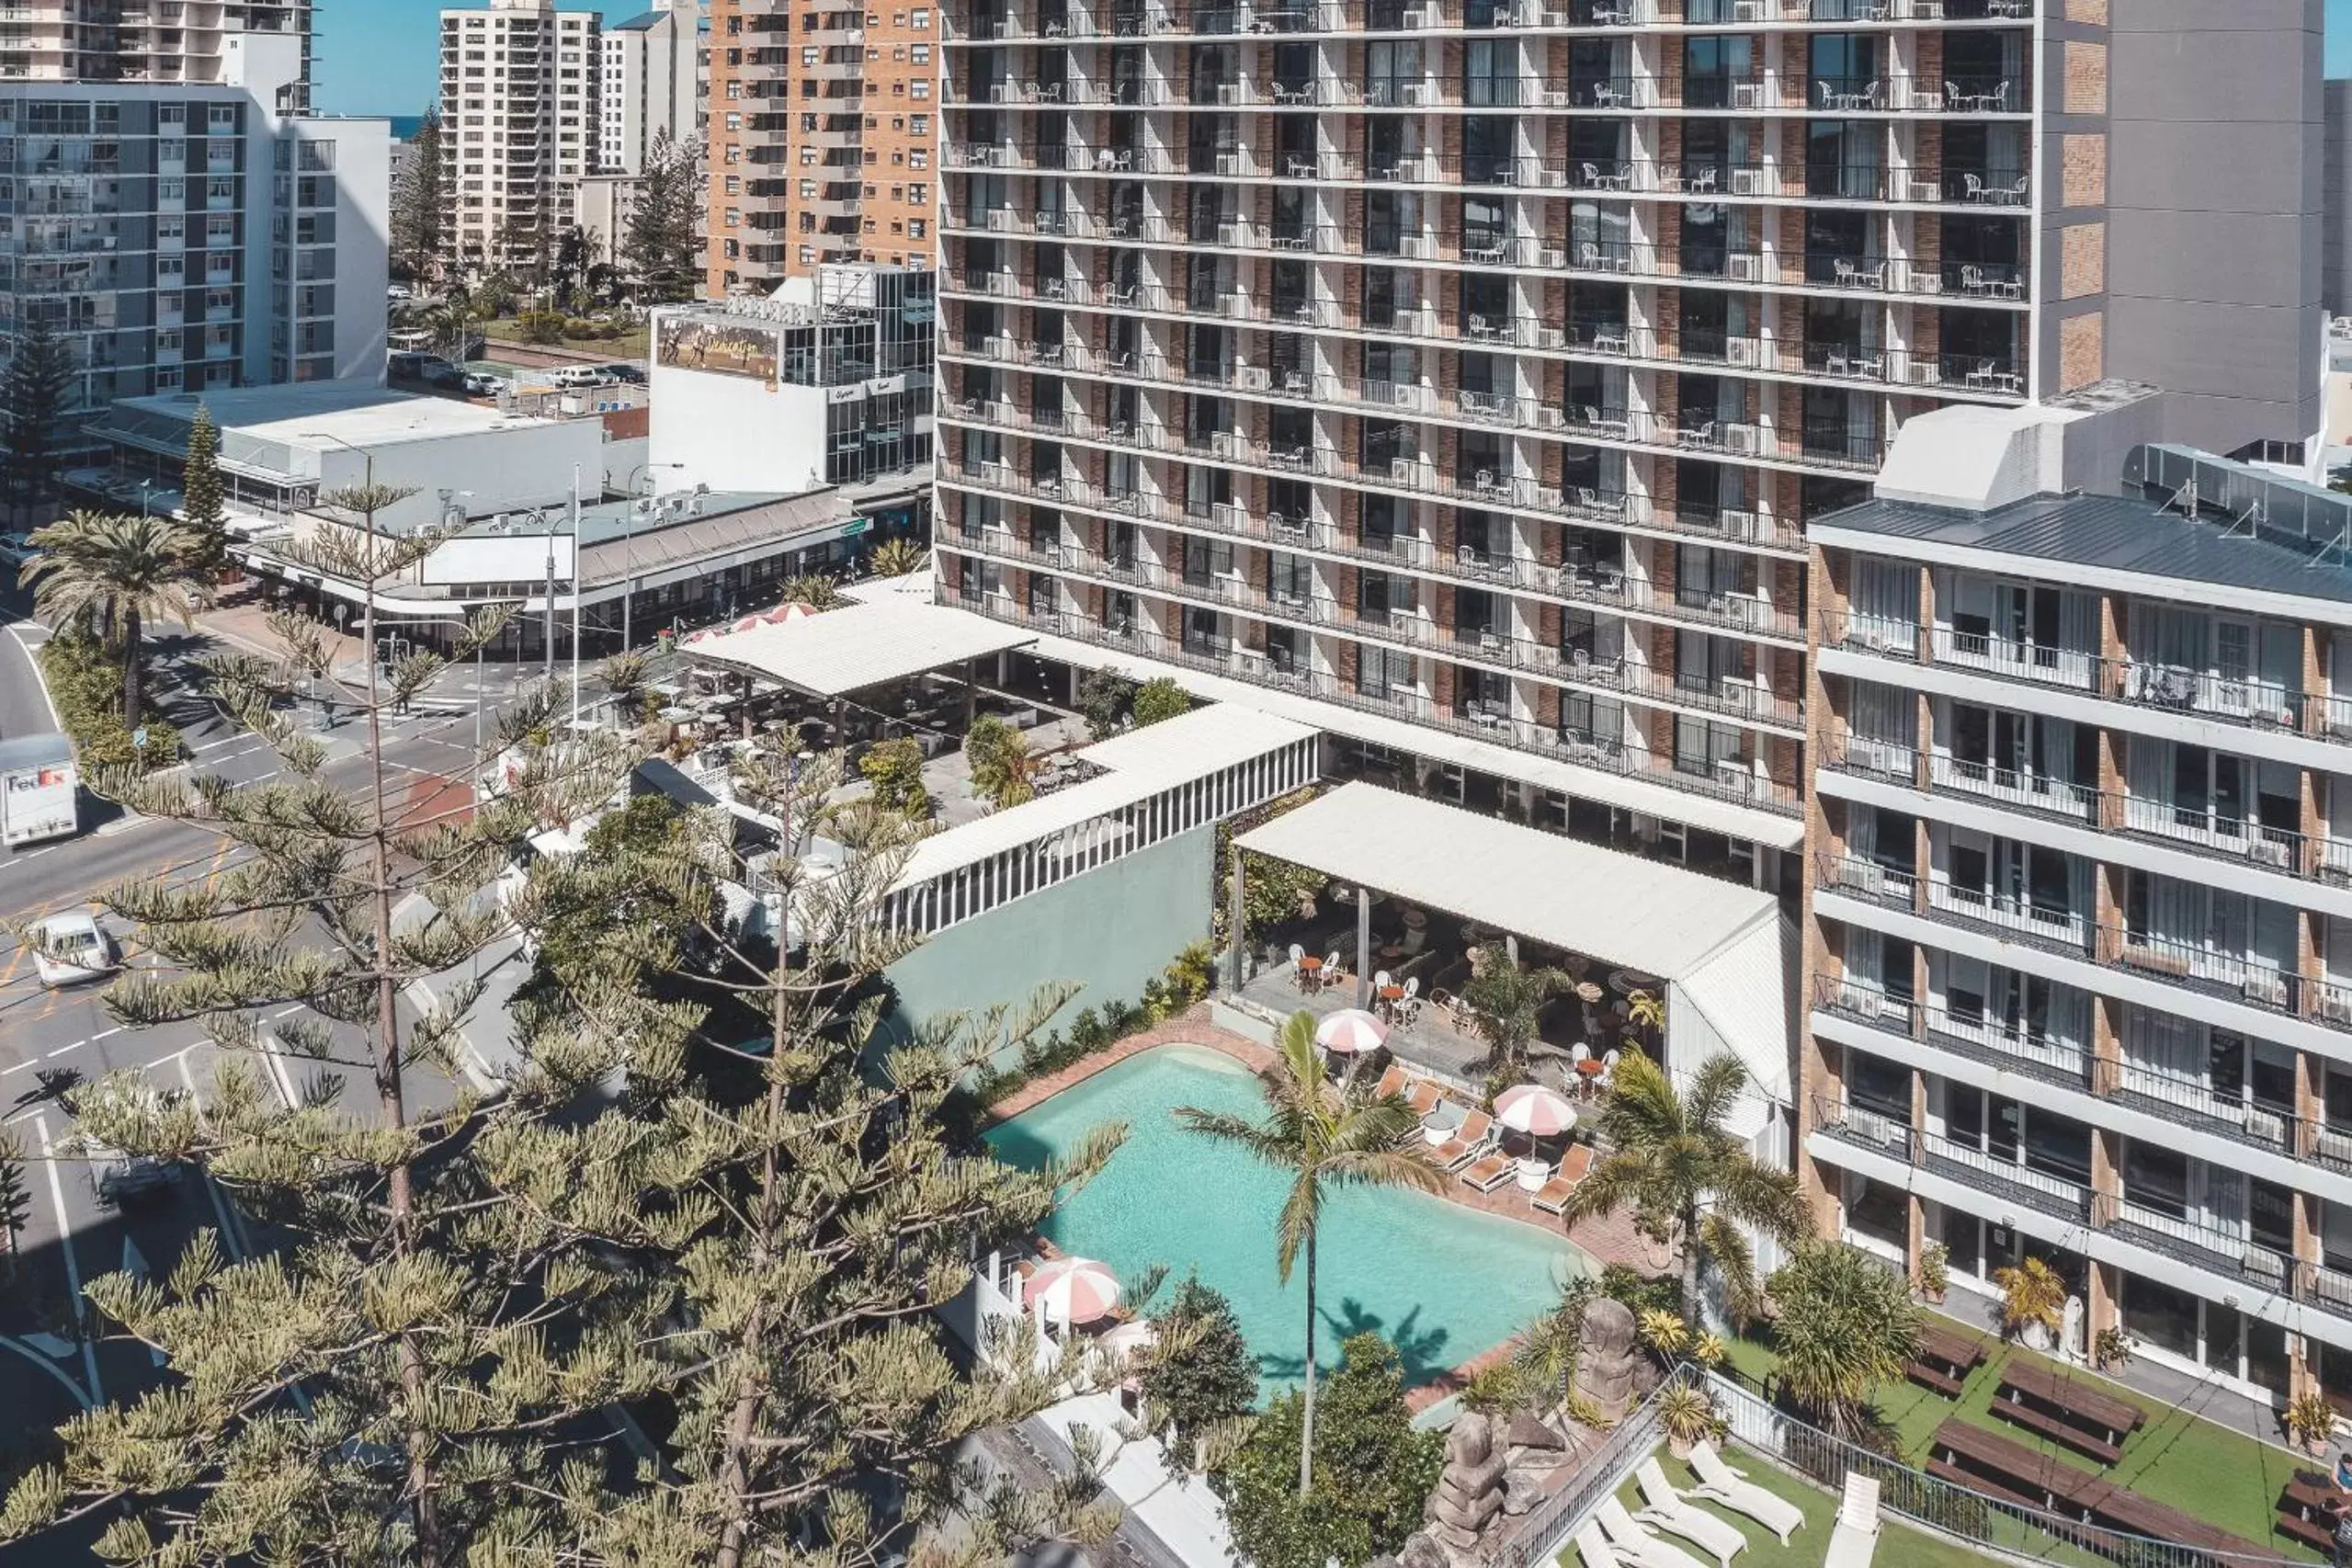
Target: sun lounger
pixel 1719 1483
pixel 1593 1547
pixel 1670 1511
pixel 1392 1083
pixel 1468 1142
pixel 1423 1097
pixel 1856 1536
pixel 1637 1545
pixel 1552 1197
pixel 1489 1172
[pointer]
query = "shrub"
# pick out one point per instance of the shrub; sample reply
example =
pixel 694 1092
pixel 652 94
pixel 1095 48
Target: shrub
pixel 1373 1472
pixel 581 326
pixel 1105 700
pixel 86 686
pixel 1204 1375
pixel 1000 762
pixel 540 326
pixel 895 770
pixel 1158 700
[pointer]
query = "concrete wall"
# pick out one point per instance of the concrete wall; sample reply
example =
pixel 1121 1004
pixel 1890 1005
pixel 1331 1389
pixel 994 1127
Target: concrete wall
pixel 737 433
pixel 506 470
pixel 2213 250
pixel 1108 931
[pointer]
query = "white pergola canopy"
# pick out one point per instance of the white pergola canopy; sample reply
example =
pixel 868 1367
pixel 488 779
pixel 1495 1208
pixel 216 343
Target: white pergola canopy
pixel 1721 951
pixel 861 644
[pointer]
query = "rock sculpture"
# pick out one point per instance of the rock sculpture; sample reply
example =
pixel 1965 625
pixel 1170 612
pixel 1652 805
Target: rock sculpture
pixel 1469 1489
pixel 1612 1370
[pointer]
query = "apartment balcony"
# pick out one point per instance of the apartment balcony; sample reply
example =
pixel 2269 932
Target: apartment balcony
pixel 2231 1260
pixel 1861 274
pixel 1279 17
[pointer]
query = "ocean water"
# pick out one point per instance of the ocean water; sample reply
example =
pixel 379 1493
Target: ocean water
pixel 1443 1282
pixel 403 126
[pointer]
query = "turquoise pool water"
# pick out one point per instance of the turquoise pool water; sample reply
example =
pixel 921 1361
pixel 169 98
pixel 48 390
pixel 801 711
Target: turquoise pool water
pixel 1442 1281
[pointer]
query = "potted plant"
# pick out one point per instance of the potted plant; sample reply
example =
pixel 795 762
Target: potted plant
pixel 1935 1274
pixel 2311 1421
pixel 2111 1351
pixel 2033 1302
pixel 1688 1416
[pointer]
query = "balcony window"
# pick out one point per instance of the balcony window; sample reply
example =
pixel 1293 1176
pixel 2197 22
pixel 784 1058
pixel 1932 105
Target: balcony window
pixel 2018 886
pixel 1388 217
pixel 1204 633
pixel 2162 1316
pixel 1389 67
pixel 1283 645
pixel 1383 672
pixel 2023 629
pixel 1705 749
pixel 1878 1086
pixel 1844 159
pixel 1710 66
pixel 1290 579
pixel 1845 70
pixel 1706 244
pixel 1589 721
pixel 2192 932
pixel 1208 563
pixel 1481 695
pixel 1489 141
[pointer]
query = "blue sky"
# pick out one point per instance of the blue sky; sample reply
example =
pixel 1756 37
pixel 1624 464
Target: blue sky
pixel 377 56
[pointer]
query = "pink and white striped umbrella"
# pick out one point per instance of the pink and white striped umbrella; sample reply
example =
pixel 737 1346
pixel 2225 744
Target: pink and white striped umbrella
pixel 1535 1110
pixel 790 609
pixel 1075 1290
pixel 1349 1031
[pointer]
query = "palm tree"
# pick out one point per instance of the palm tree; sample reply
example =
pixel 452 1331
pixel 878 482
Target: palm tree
pixel 117 570
pixel 1508 1001
pixel 1325 1136
pixel 1676 1166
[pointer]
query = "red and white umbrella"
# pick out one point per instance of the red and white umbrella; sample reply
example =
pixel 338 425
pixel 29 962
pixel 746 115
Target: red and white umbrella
pixel 1124 1341
pixel 1349 1031
pixel 1535 1110
pixel 1075 1290
pixel 791 609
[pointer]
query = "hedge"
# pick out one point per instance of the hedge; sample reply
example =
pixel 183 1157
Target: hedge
pixel 86 686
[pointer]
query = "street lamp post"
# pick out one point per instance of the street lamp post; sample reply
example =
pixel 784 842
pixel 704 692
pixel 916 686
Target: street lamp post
pixel 629 548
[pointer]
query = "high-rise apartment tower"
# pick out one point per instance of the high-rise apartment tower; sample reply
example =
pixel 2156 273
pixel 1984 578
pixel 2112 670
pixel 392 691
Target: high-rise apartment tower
pixel 823 135
pixel 1477 364
pixel 521 85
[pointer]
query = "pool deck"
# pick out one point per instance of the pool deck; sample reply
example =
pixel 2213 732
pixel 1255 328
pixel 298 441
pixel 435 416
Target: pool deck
pixel 1609 1240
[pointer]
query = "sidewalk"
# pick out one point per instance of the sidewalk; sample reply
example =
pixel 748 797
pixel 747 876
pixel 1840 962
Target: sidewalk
pixel 242 618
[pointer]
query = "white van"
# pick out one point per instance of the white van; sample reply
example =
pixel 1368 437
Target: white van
pixel 573 376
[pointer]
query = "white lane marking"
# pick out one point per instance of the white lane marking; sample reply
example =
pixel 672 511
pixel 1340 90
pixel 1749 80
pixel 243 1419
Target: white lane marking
pixel 65 1246
pixel 38 685
pixel 31 1353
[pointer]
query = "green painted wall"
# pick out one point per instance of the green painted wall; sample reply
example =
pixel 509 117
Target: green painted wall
pixel 1107 932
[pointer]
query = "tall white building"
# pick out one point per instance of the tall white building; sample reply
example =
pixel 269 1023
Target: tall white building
pixel 651 64
pixel 106 40
pixel 193 236
pixel 520 88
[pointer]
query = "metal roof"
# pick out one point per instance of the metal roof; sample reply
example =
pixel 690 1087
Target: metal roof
pixel 2108 533
pixel 861 645
pixel 1640 914
pixel 1142 763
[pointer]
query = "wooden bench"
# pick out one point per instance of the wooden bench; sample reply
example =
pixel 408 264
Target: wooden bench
pixel 2096 1423
pixel 2058 1429
pixel 1946 1470
pixel 1944 1360
pixel 2038 1479
pixel 2303 1504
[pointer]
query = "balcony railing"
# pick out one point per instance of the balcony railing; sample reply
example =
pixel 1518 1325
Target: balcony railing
pixel 1733 781
pixel 2013 1046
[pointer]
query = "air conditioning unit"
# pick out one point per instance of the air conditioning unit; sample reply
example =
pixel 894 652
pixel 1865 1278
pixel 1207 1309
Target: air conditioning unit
pixel 1419 246
pixel 1745 266
pixel 1225 444
pixel 1554 258
pixel 1401 470
pixel 1747 182
pixel 1253 378
pixel 1922 372
pixel 1739 524
pixel 1000 218
pixel 1551 418
pixel 1744 440
pixel 1231 94
pixel 1407 396
pixel 1231 165
pixel 1414 93
pixel 1236 305
pixel 1744 351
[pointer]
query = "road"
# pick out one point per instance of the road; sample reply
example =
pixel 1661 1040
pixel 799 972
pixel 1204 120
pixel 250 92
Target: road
pixel 51 1041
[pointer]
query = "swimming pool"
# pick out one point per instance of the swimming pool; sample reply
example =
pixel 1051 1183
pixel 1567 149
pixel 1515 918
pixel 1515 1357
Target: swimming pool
pixel 1443 1282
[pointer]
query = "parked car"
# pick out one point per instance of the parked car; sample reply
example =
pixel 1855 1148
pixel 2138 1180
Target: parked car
pixel 573 377
pixel 70 948
pixel 441 373
pixel 481 383
pixel 400 291
pixel 625 371
pixel 403 366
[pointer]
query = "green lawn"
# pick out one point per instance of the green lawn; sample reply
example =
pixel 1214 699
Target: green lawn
pixel 630 345
pixel 2176 1458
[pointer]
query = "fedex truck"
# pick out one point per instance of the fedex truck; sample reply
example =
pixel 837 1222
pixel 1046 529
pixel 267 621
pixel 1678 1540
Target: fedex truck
pixel 37 789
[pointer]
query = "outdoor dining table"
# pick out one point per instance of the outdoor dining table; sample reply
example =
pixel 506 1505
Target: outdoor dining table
pixel 1309 972
pixel 1388 997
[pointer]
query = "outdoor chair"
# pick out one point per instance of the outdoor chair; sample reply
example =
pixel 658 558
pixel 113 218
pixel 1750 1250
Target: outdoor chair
pixel 1489 1172
pixel 1856 1536
pixel 1633 1541
pixel 1719 1482
pixel 1552 1197
pixel 1670 1511
pixel 1470 1142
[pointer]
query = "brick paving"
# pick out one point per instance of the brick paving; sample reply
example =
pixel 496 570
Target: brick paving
pixel 1609 1240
